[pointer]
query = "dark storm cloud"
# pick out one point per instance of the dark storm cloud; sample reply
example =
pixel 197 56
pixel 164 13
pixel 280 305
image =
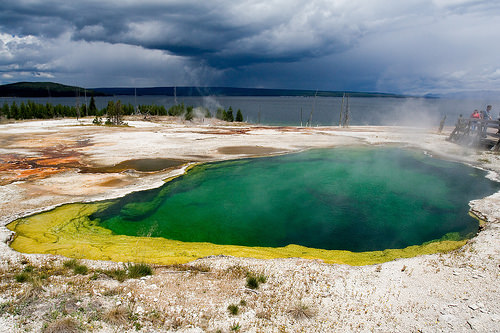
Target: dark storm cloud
pixel 414 46
pixel 222 33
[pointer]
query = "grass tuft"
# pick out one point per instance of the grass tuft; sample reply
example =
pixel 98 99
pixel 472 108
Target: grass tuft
pixel 76 267
pixel 117 316
pixel 252 282
pixel 29 269
pixel 117 274
pixel 301 311
pixel 22 277
pixel 262 278
pixel 233 309
pixel 81 269
pixel 235 327
pixel 70 264
pixel 139 270
pixel 66 325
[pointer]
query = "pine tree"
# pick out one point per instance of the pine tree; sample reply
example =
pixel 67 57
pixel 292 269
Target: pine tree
pixel 220 113
pixel 229 115
pixel 14 111
pixel 92 107
pixel 5 110
pixel 239 116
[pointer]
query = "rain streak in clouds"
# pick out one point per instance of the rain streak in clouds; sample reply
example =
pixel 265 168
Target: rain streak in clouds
pixel 411 46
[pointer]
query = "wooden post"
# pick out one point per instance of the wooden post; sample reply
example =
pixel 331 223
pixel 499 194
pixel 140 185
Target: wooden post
pixel 341 110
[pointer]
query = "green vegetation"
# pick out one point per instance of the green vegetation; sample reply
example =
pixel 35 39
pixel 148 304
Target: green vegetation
pixel 239 116
pixel 139 270
pixel 117 274
pixel 22 277
pixel 76 267
pixel 32 110
pixel 233 309
pixel 114 111
pixel 253 280
pixel 227 115
pixel 235 327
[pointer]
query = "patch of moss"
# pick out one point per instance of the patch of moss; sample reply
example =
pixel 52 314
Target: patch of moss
pixel 68 231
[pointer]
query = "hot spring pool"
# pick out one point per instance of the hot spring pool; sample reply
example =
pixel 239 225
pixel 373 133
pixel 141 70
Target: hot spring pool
pixel 342 199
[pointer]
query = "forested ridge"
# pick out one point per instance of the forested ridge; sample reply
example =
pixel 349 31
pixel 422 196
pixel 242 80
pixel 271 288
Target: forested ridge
pixel 113 111
pixel 44 89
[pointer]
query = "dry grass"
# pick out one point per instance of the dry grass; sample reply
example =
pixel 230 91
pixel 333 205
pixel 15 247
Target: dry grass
pixel 189 268
pixel 264 314
pixel 156 318
pixel 113 291
pixel 63 325
pixel 31 293
pixel 118 315
pixel 233 272
pixel 302 311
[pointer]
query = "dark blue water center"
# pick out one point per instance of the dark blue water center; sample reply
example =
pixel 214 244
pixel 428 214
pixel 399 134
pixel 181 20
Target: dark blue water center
pixel 356 199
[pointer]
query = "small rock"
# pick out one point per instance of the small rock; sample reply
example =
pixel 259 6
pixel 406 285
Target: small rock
pixel 473 306
pixel 118 303
pixel 129 294
pixel 495 317
pixel 140 309
pixel 453 305
pixel 475 324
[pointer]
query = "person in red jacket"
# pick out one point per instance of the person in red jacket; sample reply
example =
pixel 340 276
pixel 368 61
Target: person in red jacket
pixel 475 116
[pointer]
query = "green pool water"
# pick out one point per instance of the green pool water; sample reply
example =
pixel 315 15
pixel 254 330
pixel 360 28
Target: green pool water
pixel 357 199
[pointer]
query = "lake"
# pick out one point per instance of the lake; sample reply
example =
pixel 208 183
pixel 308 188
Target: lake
pixel 294 111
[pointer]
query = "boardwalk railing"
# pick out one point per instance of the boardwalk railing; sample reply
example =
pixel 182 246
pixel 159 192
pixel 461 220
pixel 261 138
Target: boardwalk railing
pixel 477 133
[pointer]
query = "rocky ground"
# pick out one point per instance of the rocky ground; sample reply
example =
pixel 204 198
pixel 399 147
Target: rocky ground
pixel 39 164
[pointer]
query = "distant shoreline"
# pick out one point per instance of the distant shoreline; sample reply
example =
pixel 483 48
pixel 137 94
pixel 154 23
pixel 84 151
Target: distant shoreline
pixel 51 89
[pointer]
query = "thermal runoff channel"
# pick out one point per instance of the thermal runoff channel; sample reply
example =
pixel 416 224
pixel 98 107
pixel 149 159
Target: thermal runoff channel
pixel 357 199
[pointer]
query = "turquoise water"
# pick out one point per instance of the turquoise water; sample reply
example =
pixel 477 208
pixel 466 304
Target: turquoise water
pixel 356 199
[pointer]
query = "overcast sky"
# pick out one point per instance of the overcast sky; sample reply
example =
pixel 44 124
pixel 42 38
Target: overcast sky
pixel 400 46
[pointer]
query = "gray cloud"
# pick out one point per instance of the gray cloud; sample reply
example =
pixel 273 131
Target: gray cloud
pixel 386 45
pixel 224 33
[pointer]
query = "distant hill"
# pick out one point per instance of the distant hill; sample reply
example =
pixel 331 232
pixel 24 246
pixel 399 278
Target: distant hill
pixel 50 89
pixel 43 89
pixel 229 91
pixel 483 95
